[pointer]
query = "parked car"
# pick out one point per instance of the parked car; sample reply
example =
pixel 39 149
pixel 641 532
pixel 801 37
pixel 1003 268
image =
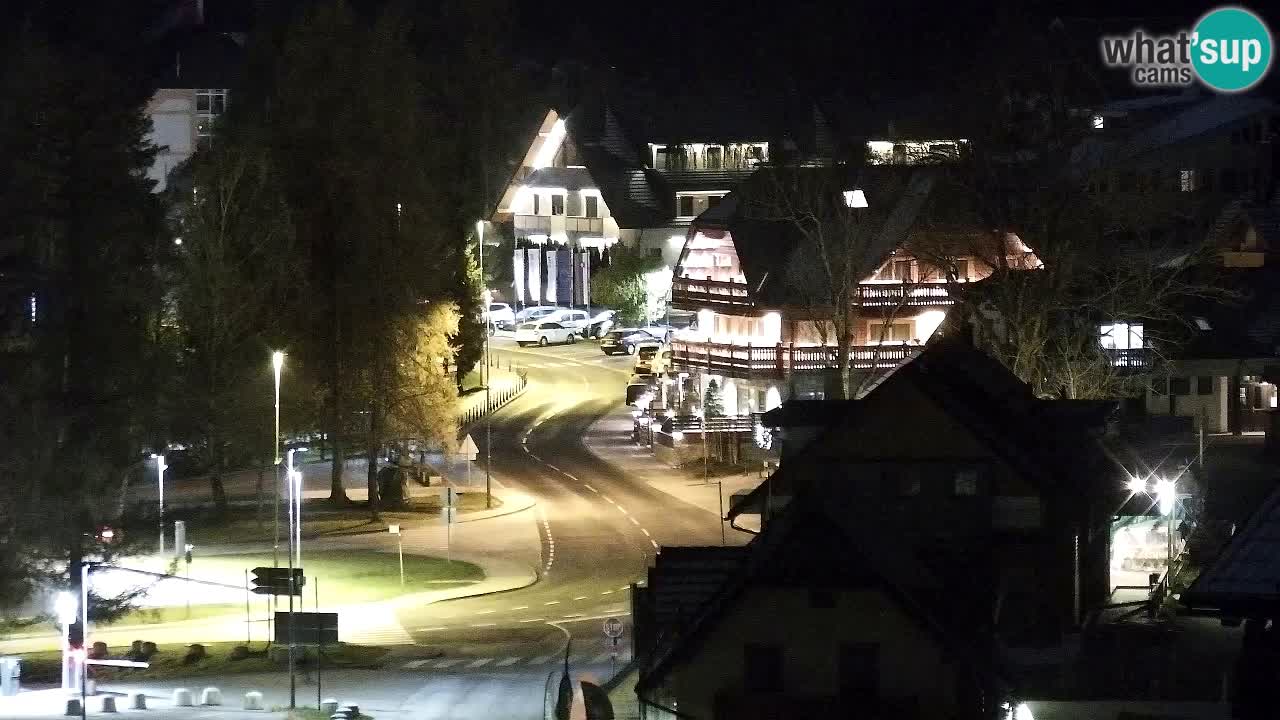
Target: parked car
pixel 601 323
pixel 624 341
pixel 652 359
pixel 576 319
pixel 528 314
pixel 497 314
pixel 545 332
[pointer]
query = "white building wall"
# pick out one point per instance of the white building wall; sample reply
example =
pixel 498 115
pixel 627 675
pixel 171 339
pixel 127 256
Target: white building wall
pixel 1212 408
pixel 173 131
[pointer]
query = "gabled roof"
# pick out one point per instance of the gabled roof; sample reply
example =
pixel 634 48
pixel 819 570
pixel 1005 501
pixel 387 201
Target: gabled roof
pixel 569 178
pixel 809 548
pixel 1046 441
pixel 197 58
pixel 1245 579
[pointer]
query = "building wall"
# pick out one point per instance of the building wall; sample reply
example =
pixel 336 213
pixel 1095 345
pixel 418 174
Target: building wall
pixel 911 663
pixel 173 130
pixel 1211 408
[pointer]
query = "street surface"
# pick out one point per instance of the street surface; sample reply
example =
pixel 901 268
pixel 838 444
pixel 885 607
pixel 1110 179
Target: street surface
pixel 597 529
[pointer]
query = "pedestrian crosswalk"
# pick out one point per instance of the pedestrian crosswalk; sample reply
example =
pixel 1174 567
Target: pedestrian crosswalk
pixel 514 661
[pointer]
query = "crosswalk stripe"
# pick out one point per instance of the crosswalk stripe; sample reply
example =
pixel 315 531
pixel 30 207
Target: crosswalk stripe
pixel 444 664
pixel 507 661
pixel 415 664
pixel 479 662
pixel 543 659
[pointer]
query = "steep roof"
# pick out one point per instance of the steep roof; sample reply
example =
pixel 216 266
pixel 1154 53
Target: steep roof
pixel 197 58
pixel 1246 576
pixel 810 548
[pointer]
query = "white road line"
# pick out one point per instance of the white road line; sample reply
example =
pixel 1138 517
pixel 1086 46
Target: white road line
pixel 581 597
pixel 607 592
pixel 606 499
pixel 543 659
pixel 486 612
pixel 624 588
pixel 415 664
pixel 432 629
pixel 479 662
pixel 573 615
pixel 485 625
pixel 552 602
pixel 443 664
pixel 654 543
pixel 520 607
pixel 553 467
pixel 532 620
pixel 590 488
pixel 622 510
pixel 507 661
pixel 646 532
pixel 635 522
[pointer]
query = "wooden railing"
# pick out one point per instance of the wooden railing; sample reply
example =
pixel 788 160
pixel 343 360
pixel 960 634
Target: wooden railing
pixel 745 361
pixel 1131 359
pixel 692 294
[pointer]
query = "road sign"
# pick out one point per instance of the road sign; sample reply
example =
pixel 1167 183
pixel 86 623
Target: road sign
pixel 393 529
pixel 613 628
pixel 468 448
pixel 310 628
pixel 275 581
pixel 449 515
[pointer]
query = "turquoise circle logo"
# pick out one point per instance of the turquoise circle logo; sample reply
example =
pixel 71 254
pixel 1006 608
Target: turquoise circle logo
pixel 1231 49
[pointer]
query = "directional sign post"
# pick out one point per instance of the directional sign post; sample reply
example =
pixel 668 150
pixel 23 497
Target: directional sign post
pixel 469 449
pixel 275 581
pixel 448 500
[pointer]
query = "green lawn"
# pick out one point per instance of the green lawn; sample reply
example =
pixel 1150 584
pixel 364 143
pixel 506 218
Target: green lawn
pixel 152 616
pixel 350 576
pixel 168 662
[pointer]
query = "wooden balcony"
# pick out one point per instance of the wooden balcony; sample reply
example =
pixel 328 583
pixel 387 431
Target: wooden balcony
pixel 526 225
pixel 1134 359
pixel 779 361
pixel 692 294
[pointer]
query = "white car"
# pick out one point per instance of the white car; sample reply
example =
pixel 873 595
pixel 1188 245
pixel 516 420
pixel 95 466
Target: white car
pixel 499 313
pixel 545 332
pixel 576 319
pixel 652 359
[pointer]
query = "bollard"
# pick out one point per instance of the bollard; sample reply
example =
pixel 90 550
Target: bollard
pixel 109 703
pixel 91 687
pixel 329 706
pixel 211 696
pixel 181 697
pixel 253 700
pixel 73 707
pixel 137 701
pixel 352 710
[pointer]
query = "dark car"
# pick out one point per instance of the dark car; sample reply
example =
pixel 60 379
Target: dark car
pixel 624 341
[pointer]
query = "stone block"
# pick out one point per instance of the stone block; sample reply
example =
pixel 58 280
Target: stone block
pixel 253 701
pixel 211 696
pixel 109 703
pixel 137 701
pixel 182 697
pixel 329 706
pixel 73 707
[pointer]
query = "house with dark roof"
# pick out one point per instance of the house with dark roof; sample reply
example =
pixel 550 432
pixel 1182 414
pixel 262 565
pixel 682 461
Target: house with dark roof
pixel 819 616
pixel 765 326
pixel 625 166
pixel 984 484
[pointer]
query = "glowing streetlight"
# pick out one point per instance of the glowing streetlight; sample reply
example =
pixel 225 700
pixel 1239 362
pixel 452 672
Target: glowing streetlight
pixel 160 468
pixel 277 364
pixel 1136 485
pixel 1022 712
pixel 64 606
pixel 1166 495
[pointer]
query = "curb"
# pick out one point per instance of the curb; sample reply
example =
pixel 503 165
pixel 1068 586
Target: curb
pixel 499 512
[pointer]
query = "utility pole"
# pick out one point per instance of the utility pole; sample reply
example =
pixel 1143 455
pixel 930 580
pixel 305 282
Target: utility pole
pixel 488 426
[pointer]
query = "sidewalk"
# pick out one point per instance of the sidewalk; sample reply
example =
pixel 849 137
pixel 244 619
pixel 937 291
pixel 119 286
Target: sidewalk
pixel 610 440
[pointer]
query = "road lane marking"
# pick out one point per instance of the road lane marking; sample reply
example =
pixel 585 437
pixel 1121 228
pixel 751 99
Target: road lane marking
pixel 607 592
pixel 590 488
pixel 481 662
pixel 486 612
pixel 485 625
pixel 606 499
pixel 444 664
pixel 507 661
pixel 646 532
pixel 635 522
pixel 544 659
pixel 432 629
pixel 532 620
pixel 581 597
pixel 622 510
pixel 415 664
pixel 572 616
pixel 654 543
pixel 520 607
pixel 625 587
pixel 552 602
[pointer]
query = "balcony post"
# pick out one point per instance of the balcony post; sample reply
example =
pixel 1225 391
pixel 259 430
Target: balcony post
pixel 750 360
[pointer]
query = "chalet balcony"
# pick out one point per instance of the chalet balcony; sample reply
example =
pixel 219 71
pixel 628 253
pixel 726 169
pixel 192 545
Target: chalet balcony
pixel 724 296
pixel 779 361
pixel 526 225
pixel 1132 359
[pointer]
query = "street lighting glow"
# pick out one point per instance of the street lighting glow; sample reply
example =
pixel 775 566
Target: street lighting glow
pixel 1167 494
pixel 64 606
pixel 277 361
pixel 1022 712
pixel 1136 485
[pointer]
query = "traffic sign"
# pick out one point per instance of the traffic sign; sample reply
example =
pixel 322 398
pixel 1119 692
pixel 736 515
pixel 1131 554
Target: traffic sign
pixel 613 628
pixel 275 581
pixel 310 628
pixel 468 448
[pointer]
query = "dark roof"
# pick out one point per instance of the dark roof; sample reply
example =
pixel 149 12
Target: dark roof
pixel 801 550
pixel 1246 327
pixel 198 58
pixel 1047 441
pixel 1246 576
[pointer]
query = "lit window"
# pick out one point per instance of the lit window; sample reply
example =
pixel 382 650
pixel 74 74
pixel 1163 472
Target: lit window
pixel 1099 122
pixel 33 308
pixel 1186 180
pixel 210 104
pixel 1121 336
pixel 557 204
pixel 855 198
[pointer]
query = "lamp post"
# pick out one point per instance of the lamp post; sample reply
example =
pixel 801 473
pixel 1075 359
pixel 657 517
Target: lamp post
pixel 395 530
pixel 484 375
pixel 160 468
pixel 1167 496
pixel 277 364
pixel 64 606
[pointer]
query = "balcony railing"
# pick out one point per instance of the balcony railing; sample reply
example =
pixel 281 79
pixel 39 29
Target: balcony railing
pixel 526 225
pixel 1130 359
pixel 692 294
pixel 778 361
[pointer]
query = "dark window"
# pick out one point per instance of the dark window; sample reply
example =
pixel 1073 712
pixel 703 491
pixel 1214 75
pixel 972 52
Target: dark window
pixel 686 205
pixel 714 158
pixel 557 204
pixel 1229 180
pixel 1235 137
pixel 908 483
pixel 1204 385
pixel 552 326
pixel 1127 180
pixel 713 200
pixel 822 599
pixel 1160 386
pixel 762 668
pixel 655 252
pixel 536 204
pixel 966 483
pixel 860 671
pixel 1180 386
pixel 592 210
pixel 1207 183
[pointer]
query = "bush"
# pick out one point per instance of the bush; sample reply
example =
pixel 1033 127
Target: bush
pixel 195 653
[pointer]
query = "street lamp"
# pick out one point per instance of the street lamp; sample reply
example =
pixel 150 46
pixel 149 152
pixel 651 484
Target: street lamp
pixel 395 530
pixel 1167 497
pixel 702 418
pixel 277 364
pixel 1136 485
pixel 160 468
pixel 64 606
pixel 484 375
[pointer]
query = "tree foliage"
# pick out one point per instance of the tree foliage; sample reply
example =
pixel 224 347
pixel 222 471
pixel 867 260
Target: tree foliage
pixel 621 285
